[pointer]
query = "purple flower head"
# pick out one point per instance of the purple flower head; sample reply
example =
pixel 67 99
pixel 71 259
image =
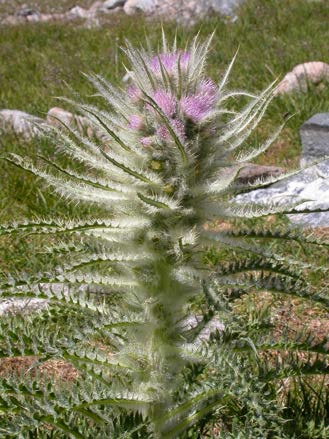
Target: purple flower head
pixel 166 101
pixel 134 93
pixel 178 128
pixel 146 141
pixel 208 89
pixel 136 122
pixel 169 61
pixel 197 106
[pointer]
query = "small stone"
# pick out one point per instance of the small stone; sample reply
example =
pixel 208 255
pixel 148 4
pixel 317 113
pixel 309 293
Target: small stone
pixel 51 17
pixel 211 327
pixel 12 20
pixel 96 6
pixel 132 7
pixel 58 117
pixel 225 7
pixel 26 12
pixel 34 18
pixel 302 76
pixel 78 12
pixel 252 172
pixel 315 138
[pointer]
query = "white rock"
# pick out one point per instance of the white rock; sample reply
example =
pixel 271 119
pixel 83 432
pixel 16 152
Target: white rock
pixel 78 12
pixel 20 123
pixel 56 115
pixel 225 7
pixel 210 327
pixel 302 75
pixel 96 6
pixel 309 189
pixel 132 7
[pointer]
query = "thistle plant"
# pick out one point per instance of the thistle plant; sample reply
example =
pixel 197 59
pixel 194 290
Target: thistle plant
pixel 132 303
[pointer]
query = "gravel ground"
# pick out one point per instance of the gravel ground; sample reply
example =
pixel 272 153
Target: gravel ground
pixel 46 6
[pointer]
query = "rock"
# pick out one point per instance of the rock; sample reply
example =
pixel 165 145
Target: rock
pixel 225 7
pixel 45 18
pixel 26 12
pixel 132 7
pixel 186 12
pixel 12 20
pixel 309 189
pixel 302 76
pixel 34 18
pixel 27 125
pixel 96 6
pixel 78 12
pixel 56 115
pixel 315 138
pixel 30 15
pixel 32 305
pixel 213 326
pixel 112 4
pixel 20 123
pixel 24 15
pixel 252 172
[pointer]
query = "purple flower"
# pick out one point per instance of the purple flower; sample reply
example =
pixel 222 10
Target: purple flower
pixel 134 93
pixel 146 141
pixel 166 101
pixel 169 61
pixel 136 122
pixel 197 106
pixel 178 128
pixel 208 89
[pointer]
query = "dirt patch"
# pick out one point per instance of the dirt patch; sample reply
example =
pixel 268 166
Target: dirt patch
pixel 58 369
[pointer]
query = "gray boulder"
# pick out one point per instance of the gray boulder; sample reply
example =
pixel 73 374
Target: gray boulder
pixel 181 10
pixel 308 189
pixel 315 138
